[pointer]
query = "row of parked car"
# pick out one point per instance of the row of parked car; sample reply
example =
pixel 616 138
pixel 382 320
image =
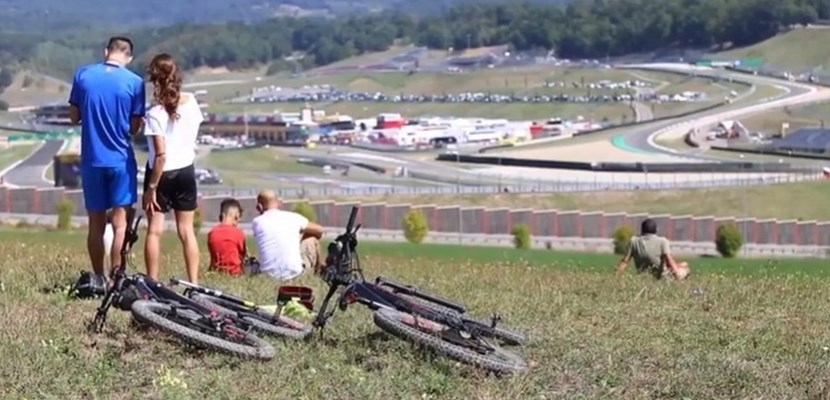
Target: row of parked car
pixel 464 98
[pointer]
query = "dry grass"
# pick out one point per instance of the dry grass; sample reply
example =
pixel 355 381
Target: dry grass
pixel 800 117
pixel 34 90
pixel 741 329
pixel 13 154
pixel 798 50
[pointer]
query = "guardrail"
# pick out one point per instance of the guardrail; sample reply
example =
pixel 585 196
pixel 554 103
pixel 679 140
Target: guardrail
pixel 770 74
pixel 720 167
pixel 766 152
pixel 555 243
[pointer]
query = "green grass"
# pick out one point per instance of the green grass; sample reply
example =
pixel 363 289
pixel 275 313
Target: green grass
pixel 769 201
pixel 13 154
pixel 516 111
pixel 261 159
pixel 791 51
pixel 250 169
pixel 736 329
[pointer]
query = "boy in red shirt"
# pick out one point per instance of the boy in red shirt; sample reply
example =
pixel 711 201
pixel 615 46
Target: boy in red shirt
pixel 226 241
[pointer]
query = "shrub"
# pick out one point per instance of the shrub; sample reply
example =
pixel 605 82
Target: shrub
pixel 306 210
pixel 415 227
pixel 521 236
pixel 728 240
pixel 65 210
pixel 197 220
pixel 622 236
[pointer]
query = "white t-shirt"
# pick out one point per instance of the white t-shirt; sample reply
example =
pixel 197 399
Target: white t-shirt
pixel 277 234
pixel 179 134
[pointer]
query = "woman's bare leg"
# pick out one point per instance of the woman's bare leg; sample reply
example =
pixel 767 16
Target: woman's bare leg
pixel 190 246
pixel 152 244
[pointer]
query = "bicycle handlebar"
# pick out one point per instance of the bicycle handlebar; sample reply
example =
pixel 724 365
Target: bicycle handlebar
pixel 352 218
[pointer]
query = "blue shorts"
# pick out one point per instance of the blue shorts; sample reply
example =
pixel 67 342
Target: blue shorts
pixel 108 187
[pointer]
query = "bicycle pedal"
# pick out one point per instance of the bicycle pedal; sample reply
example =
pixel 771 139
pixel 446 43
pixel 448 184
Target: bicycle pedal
pixel 495 318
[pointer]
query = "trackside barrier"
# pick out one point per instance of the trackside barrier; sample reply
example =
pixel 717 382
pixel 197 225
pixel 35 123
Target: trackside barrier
pixel 720 167
pixel 685 242
pixel 489 222
pixel 768 152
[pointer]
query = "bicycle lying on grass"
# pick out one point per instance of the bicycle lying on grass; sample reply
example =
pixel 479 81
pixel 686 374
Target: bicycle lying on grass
pixel 154 304
pixel 272 323
pixel 413 315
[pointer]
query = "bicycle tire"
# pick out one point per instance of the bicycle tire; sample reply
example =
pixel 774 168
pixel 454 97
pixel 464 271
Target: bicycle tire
pixel 147 312
pixel 500 361
pixel 289 328
pixel 506 335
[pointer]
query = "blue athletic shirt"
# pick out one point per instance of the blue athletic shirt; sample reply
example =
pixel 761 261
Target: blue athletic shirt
pixel 107 95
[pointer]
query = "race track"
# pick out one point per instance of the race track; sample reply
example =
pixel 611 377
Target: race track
pixel 635 144
pixel 31 172
pixel 638 144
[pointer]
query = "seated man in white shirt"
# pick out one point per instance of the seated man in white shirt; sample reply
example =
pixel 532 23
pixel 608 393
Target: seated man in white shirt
pixel 289 244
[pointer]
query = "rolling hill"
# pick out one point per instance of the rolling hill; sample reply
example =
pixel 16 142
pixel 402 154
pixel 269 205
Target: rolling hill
pixel 54 15
pixel 799 50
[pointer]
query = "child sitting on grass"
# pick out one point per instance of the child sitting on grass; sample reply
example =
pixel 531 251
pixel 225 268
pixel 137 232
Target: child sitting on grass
pixel 226 241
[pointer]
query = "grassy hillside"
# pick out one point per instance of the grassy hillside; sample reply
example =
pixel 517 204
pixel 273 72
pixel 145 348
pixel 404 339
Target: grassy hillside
pixel 737 329
pixel 799 50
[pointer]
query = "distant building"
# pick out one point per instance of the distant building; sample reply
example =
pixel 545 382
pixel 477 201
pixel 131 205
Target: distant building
pixel 270 128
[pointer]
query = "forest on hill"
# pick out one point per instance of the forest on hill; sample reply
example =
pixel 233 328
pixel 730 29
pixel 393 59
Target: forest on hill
pixel 27 16
pixel 582 29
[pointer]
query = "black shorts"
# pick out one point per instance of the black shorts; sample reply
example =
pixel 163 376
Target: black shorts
pixel 177 189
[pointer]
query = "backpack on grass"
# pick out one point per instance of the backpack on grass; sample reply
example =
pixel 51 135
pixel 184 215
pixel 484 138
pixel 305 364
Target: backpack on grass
pixel 88 286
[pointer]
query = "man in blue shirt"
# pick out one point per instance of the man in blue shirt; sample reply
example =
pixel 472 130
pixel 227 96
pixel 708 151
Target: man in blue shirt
pixel 108 101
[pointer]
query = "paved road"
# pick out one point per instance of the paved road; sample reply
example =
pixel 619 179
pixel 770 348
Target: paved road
pixel 642 138
pixel 31 171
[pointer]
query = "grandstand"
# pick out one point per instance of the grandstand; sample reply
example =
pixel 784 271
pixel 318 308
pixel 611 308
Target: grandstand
pixel 806 140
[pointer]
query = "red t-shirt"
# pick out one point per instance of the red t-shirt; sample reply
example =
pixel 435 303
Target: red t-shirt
pixel 227 247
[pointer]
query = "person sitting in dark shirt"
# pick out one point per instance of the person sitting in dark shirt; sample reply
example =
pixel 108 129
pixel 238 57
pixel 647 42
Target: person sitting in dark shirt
pixel 226 241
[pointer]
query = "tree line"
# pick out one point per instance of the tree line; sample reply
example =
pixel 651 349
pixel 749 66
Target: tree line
pixel 582 29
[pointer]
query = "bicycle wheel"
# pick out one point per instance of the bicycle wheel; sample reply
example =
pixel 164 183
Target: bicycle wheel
pixel 507 336
pixel 231 339
pixel 423 332
pixel 283 326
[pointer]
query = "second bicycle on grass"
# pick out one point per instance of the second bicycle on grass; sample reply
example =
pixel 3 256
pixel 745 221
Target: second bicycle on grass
pixel 413 315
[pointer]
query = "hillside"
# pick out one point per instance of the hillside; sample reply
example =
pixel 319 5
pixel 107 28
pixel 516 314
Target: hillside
pixel 582 30
pixel 799 50
pixel 54 15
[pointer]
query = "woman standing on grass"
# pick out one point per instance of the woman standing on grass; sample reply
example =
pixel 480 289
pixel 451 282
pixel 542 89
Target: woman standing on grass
pixel 170 180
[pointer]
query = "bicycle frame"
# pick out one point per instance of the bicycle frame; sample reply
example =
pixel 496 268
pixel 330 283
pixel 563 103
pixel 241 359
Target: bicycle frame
pixel 148 288
pixel 384 294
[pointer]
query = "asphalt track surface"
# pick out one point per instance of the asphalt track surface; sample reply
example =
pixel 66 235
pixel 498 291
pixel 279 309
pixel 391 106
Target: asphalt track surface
pixel 639 139
pixel 32 170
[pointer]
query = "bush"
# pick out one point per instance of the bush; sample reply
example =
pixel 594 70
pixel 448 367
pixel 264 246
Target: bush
pixel 197 221
pixel 415 227
pixel 65 210
pixel 728 240
pixel 521 236
pixel 622 236
pixel 306 210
